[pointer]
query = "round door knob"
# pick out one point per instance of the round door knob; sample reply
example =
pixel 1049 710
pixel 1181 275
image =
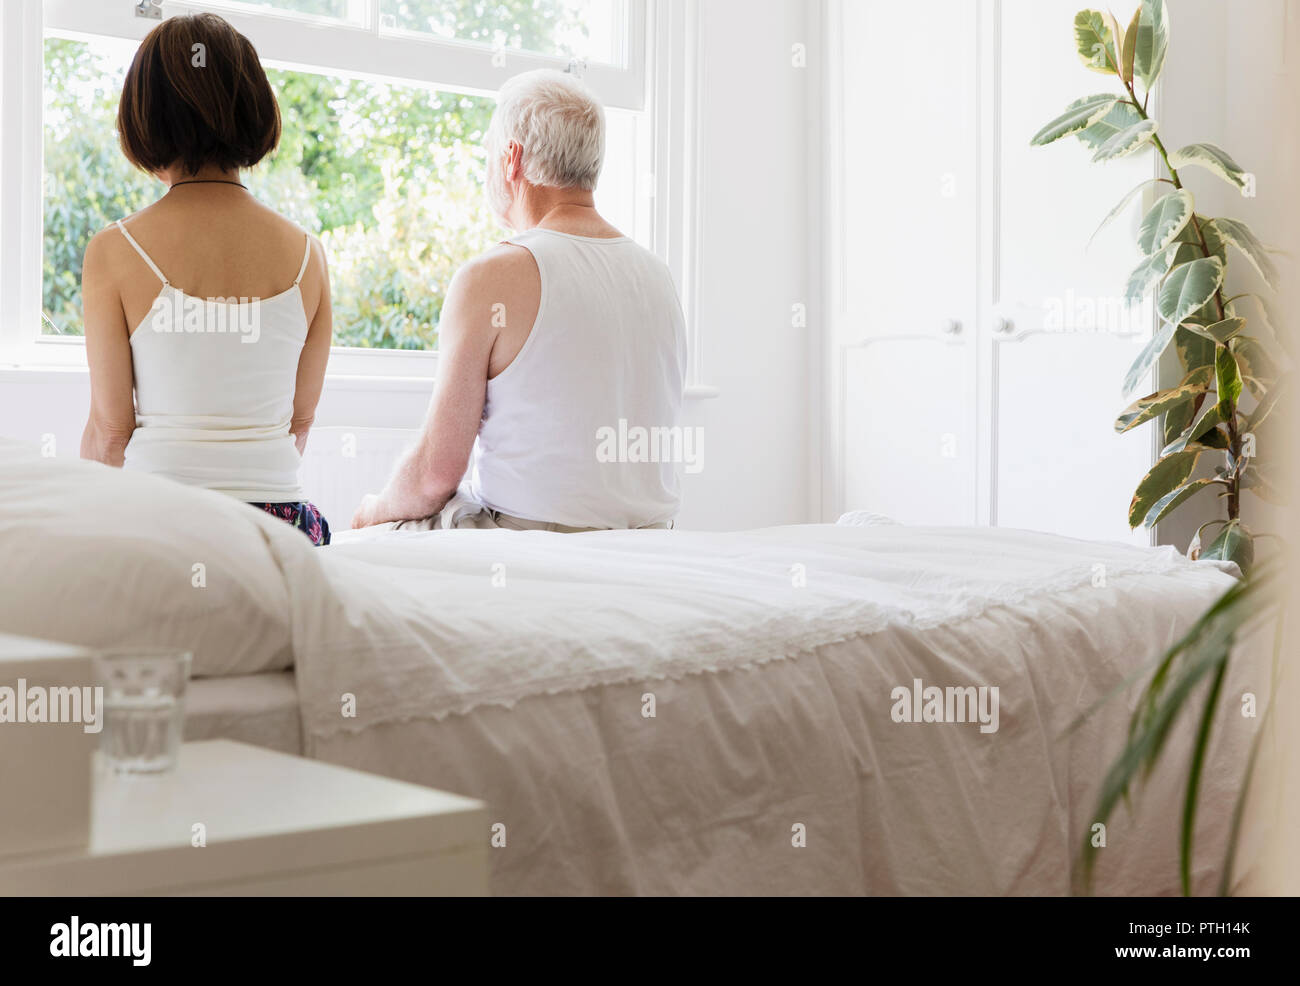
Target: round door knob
pixel 952 327
pixel 1003 325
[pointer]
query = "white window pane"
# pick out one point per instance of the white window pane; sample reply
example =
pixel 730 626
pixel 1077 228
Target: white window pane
pixel 346 11
pixel 587 29
pixel 616 192
pixel 87 182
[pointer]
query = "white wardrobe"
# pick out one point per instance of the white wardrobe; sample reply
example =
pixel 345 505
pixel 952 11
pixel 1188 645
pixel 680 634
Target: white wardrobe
pixel 976 343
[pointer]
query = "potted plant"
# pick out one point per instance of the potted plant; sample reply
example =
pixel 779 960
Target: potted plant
pixel 1228 351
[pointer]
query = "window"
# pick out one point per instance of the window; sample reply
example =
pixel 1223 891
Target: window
pixel 384 103
pixel 592 30
pixel 388 175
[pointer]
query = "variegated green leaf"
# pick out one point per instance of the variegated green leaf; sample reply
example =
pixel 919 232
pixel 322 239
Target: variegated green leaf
pixel 1165 220
pixel 1189 287
pixel 1215 438
pixel 1123 204
pixel 1233 544
pixel 1258 369
pixel 1262 410
pixel 1213 159
pixel 1152 42
pixel 1126 141
pixel 1153 405
pixel 1268 318
pixel 1202 239
pixel 1170 500
pixel 1240 236
pixel 1220 331
pixel 1094 38
pixel 1141 367
pixel 1206 421
pixel 1165 476
pixel 1119 117
pixel 1193 350
pixel 1227 380
pixel 1207 314
pixel 1147 273
pixel 1210 240
pixel 1271 318
pixel 1128 50
pixel 1077 116
pixel 1258 481
pixel 1116 33
pixel 1178 418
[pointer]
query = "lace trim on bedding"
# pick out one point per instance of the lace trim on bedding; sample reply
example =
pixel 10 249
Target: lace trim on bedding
pixel 762 645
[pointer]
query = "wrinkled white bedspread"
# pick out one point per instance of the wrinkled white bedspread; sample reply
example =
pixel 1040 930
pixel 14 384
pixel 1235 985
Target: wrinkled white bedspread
pixel 517 666
pixel 426 624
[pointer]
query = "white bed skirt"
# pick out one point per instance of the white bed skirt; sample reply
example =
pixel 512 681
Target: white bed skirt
pixel 707 797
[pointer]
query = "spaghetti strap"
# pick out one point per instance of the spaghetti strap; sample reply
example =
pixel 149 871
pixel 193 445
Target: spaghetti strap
pixel 143 256
pixel 306 256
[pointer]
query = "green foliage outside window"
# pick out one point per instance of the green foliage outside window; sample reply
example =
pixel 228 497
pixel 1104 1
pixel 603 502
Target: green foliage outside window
pixel 388 176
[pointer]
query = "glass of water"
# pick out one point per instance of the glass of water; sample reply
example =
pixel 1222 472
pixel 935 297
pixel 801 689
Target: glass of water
pixel 144 707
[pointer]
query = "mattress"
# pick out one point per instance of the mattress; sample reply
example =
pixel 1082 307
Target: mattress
pixel 261 709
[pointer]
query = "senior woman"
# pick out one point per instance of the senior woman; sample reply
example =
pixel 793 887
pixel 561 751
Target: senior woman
pixel 207 314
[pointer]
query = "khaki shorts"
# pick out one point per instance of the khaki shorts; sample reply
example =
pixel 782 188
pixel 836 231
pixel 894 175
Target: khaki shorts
pixel 462 513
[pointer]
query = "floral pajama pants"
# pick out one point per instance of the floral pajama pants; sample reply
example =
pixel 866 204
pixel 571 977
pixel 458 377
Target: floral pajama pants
pixel 303 516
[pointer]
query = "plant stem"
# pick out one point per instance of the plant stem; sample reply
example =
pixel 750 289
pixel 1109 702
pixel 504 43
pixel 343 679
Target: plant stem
pixel 1234 435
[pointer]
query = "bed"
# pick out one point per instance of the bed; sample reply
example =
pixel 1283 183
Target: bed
pixel 261 709
pixel 669 712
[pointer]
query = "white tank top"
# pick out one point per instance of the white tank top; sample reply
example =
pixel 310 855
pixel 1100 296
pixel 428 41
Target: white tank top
pixel 214 387
pixel 606 356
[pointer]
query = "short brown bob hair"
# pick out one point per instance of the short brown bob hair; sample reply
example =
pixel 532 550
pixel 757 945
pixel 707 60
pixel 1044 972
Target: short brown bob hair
pixel 196 93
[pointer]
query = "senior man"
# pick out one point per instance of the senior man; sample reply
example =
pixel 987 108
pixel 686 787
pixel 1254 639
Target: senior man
pixel 553 337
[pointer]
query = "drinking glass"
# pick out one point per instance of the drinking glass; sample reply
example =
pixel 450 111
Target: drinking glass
pixel 144 707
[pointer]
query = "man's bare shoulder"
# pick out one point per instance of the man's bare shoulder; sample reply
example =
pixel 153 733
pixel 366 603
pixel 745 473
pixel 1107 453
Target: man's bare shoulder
pixel 497 295
pixel 503 280
pixel 504 267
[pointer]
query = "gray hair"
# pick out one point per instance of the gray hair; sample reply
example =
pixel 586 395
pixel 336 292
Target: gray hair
pixel 558 123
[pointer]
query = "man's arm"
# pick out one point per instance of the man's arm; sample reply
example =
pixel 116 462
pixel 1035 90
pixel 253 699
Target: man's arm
pixel 426 477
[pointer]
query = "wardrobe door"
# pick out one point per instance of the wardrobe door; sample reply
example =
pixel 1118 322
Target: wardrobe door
pixel 901 119
pixel 1060 338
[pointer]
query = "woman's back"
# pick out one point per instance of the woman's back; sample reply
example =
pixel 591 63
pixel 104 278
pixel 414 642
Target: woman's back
pixel 217 331
pixel 217 241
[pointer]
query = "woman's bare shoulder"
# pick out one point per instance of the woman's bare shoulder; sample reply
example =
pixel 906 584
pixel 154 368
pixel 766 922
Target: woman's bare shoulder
pixel 107 251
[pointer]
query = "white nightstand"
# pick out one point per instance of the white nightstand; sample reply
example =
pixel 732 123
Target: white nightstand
pixel 274 825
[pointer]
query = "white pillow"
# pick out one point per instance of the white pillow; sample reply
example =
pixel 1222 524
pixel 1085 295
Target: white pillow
pixel 106 557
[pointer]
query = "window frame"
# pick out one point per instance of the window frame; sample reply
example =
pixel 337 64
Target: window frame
pixel 657 80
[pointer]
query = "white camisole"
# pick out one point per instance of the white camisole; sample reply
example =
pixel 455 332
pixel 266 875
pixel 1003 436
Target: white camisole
pixel 606 358
pixel 214 388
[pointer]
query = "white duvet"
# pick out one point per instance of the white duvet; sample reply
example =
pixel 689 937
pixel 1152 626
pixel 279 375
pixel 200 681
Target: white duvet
pixel 426 624
pixel 677 712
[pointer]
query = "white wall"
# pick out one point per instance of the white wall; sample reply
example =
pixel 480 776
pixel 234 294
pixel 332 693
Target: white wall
pixel 753 197
pixel 753 268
